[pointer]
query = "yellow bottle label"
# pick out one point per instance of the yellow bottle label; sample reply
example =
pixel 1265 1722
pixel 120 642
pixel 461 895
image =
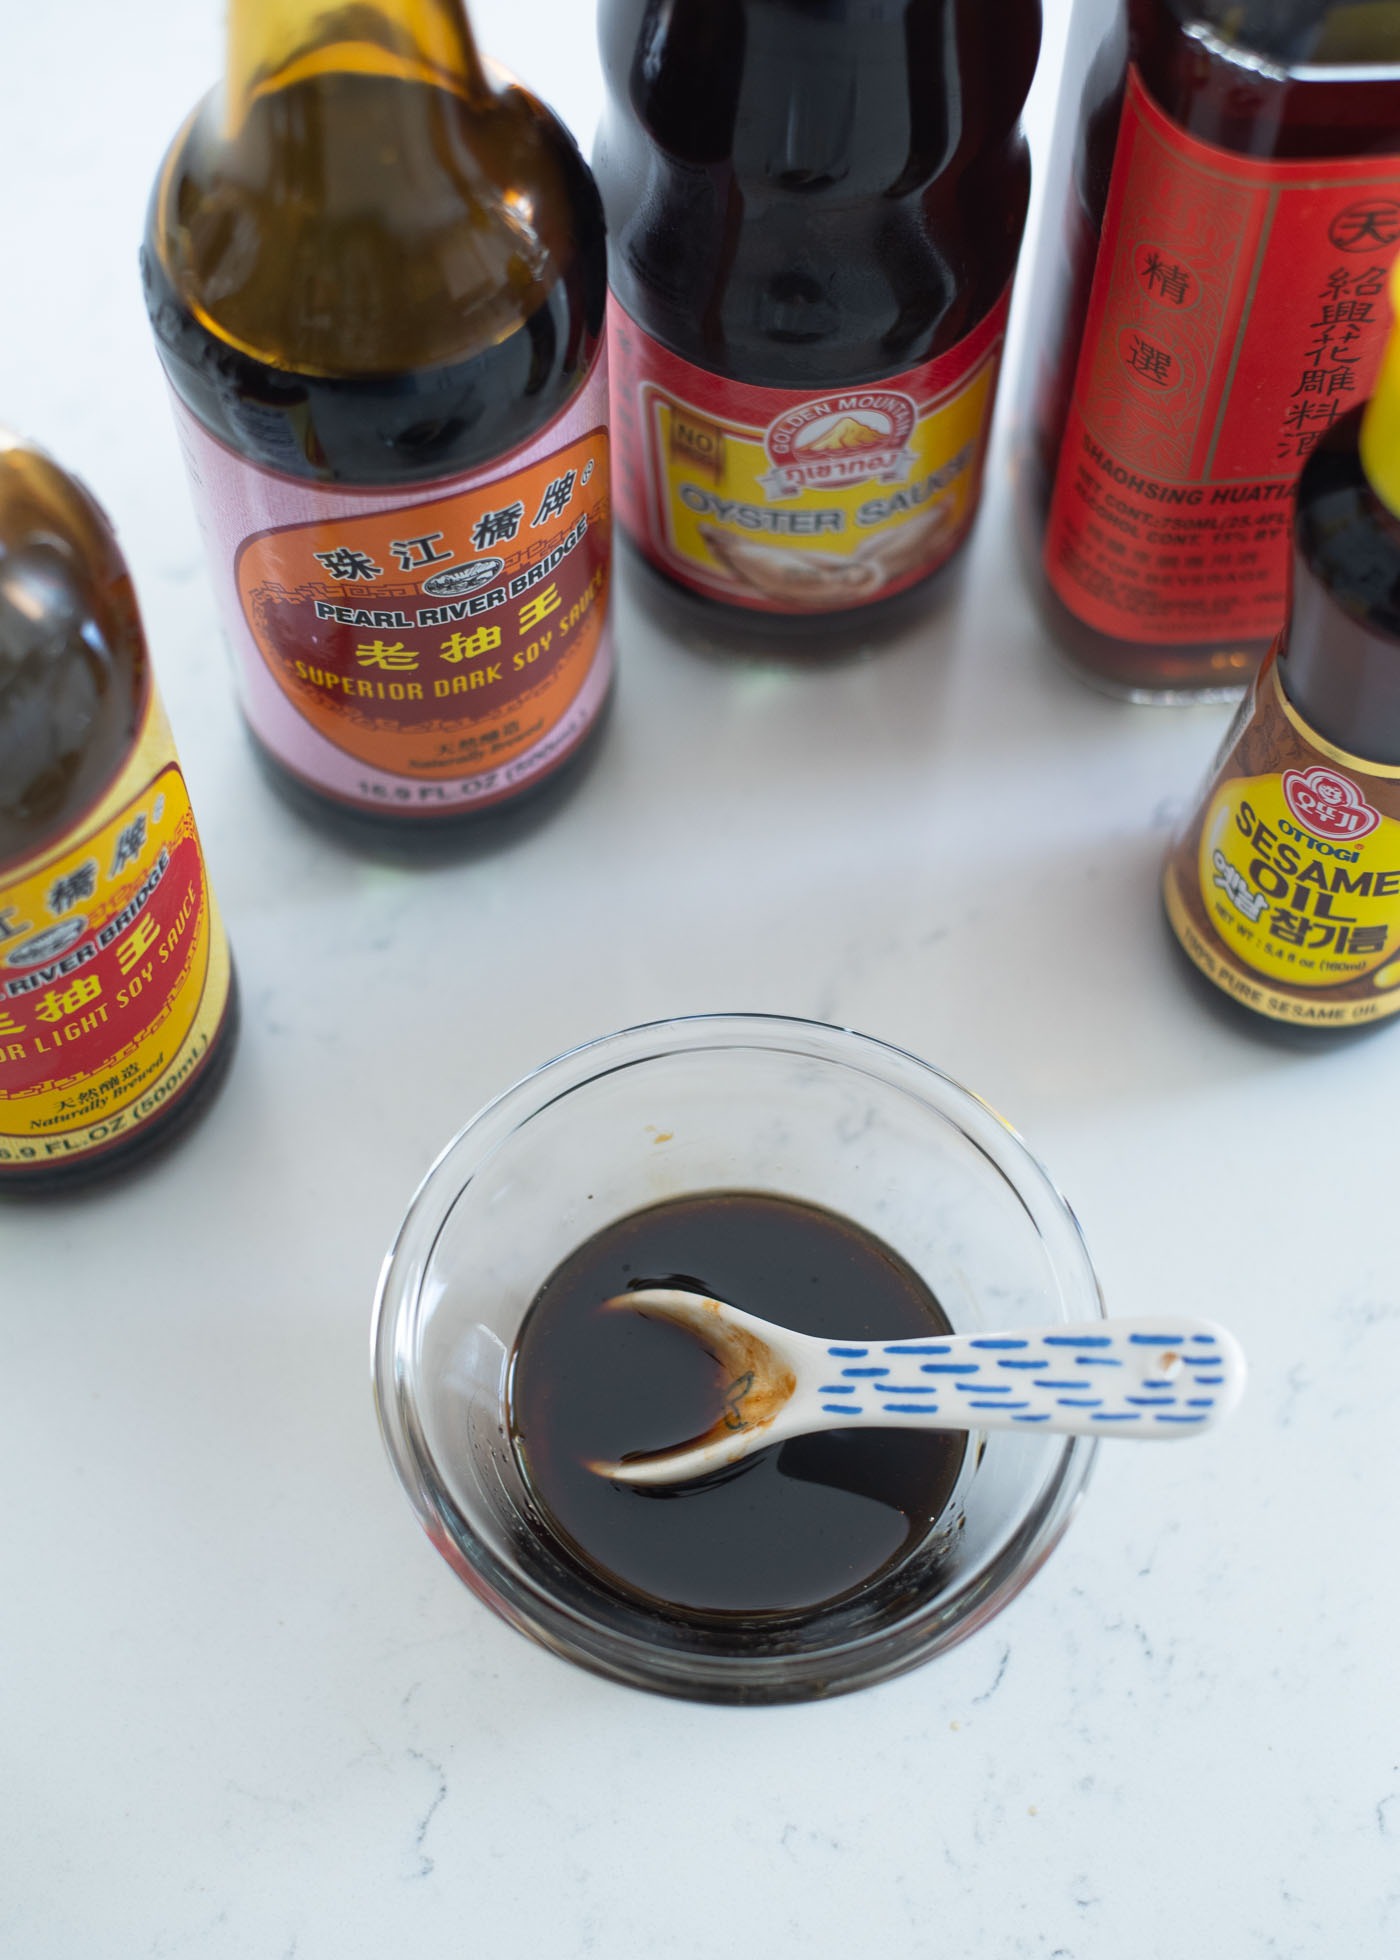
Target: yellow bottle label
pixel 114 967
pixel 1285 888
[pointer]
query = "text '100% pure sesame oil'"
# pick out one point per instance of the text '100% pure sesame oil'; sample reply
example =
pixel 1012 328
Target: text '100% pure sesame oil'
pixel 118 1009
pixel 814 214
pixel 376 273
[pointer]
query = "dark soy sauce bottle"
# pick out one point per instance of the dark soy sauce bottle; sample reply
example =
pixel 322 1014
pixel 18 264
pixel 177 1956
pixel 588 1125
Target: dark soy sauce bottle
pixel 814 212
pixel 1223 207
pixel 376 274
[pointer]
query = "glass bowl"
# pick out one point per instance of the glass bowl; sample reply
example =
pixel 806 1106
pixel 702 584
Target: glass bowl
pixel 740 1102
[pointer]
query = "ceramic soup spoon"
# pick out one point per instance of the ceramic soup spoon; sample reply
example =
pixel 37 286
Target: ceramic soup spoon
pixel 1167 1377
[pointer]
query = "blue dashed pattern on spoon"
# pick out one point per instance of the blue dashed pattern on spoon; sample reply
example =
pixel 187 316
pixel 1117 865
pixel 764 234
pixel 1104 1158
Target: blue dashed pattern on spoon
pixel 1159 1379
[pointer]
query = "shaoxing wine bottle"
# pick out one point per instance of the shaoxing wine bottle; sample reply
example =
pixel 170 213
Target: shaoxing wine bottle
pixel 117 1003
pixel 377 279
pixel 814 212
pixel 1213 305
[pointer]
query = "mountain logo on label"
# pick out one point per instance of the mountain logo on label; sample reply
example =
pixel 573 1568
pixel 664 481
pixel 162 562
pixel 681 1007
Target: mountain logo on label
pixel 1329 805
pixel 837 440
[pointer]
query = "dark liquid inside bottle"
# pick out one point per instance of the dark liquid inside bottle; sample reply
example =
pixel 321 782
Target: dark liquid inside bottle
pixel 1340 659
pixel 811 197
pixel 1267 79
pixel 340 295
pixel 789 1529
pixel 75 686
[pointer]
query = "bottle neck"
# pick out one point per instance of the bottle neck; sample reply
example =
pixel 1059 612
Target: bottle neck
pixel 275 43
pixel 1379 440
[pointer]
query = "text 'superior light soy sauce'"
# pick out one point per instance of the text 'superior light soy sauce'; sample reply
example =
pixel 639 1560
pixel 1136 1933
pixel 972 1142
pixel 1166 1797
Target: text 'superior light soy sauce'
pixel 117 1003
pixel 377 279
pixel 787 1530
pixel 1284 887
pixel 814 212
pixel 1209 300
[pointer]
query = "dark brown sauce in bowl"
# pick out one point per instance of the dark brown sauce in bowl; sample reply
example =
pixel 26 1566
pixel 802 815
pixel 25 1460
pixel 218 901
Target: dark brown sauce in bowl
pixel 792 1529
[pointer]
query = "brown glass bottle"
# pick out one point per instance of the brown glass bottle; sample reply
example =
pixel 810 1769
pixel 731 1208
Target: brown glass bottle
pixel 1233 178
pixel 118 1008
pixel 814 215
pixel 376 276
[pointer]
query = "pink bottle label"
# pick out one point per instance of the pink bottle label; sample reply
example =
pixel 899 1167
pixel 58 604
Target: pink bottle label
pixel 423 649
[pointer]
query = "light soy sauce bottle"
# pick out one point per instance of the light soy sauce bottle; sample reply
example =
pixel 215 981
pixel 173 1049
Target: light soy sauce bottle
pixel 118 1008
pixel 375 271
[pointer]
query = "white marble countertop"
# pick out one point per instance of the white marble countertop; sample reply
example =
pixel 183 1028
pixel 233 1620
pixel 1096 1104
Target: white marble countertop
pixel 248 1712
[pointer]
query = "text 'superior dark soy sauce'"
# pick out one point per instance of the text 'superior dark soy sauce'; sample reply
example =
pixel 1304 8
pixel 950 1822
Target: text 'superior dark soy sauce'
pixel 1209 299
pixel 789 1529
pixel 814 215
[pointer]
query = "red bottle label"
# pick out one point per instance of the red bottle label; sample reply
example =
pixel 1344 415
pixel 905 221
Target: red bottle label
pixel 789 501
pixel 1238 308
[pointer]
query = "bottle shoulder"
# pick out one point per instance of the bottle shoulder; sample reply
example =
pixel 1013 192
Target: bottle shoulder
pixel 74 677
pixel 440 309
pixel 1271 81
pixel 358 224
pixel 813 292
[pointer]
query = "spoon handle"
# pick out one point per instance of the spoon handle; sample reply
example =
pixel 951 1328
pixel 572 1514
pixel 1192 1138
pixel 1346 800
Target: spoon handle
pixel 1161 1378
